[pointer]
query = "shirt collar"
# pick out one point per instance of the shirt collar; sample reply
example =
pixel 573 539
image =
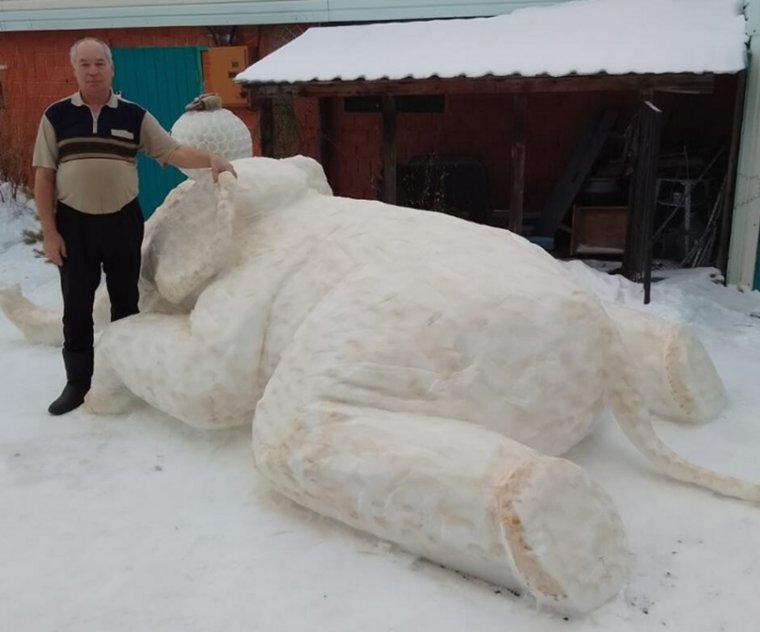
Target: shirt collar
pixel 113 101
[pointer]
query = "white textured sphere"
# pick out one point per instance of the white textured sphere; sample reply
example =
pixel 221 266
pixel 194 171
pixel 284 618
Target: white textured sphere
pixel 217 131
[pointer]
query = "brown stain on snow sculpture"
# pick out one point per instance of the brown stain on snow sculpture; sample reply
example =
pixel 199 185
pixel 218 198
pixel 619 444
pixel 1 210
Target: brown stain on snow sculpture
pixel 508 521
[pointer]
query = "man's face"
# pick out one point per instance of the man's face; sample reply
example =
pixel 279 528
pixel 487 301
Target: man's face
pixel 92 69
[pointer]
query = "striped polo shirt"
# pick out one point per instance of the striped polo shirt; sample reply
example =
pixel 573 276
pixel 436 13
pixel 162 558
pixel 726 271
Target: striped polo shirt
pixel 95 157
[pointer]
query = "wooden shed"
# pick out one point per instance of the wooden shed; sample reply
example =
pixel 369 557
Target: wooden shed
pixel 472 117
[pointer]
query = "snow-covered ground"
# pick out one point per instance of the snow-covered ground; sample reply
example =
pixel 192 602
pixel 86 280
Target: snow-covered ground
pixel 138 522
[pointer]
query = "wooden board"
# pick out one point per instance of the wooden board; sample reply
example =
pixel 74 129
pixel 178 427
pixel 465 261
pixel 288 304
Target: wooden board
pixel 599 229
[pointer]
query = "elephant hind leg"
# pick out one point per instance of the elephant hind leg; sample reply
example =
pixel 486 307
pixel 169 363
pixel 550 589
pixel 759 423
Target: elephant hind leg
pixel 452 492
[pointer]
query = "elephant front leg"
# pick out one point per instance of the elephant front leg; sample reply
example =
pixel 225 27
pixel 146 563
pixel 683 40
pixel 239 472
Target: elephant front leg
pixel 108 394
pixel 187 374
pixel 451 492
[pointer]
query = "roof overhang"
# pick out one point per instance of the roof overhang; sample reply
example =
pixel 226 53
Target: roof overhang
pixel 618 44
pixel 671 82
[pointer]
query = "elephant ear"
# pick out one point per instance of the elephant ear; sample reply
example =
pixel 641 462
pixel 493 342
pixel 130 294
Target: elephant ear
pixel 315 174
pixel 183 247
pixel 191 237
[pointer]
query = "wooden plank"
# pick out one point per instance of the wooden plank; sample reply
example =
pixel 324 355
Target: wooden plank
pixel 517 194
pixel 388 149
pixel 485 85
pixel 599 229
pixel 266 128
pixel 576 171
pixel 326 135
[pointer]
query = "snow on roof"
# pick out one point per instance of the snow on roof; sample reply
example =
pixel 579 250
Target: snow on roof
pixel 585 37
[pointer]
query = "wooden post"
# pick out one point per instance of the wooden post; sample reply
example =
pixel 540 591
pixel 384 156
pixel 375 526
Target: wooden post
pixel 266 127
pixel 389 149
pixel 637 259
pixel 517 194
pixel 325 135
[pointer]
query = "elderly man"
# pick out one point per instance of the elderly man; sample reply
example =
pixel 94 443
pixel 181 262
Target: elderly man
pixel 85 188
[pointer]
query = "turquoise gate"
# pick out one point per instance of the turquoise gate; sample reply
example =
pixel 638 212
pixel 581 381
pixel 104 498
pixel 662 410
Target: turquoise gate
pixel 163 81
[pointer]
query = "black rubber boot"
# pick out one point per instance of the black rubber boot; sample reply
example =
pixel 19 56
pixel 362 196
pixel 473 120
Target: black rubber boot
pixel 78 376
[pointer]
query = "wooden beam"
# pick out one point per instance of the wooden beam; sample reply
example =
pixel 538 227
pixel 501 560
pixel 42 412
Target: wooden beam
pixel 577 169
pixel 266 127
pixel 637 258
pixel 517 194
pixel 488 85
pixel 325 135
pixel 388 149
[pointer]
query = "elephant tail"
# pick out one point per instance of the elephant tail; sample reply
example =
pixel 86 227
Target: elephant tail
pixel 627 404
pixel 41 325
pixel 38 324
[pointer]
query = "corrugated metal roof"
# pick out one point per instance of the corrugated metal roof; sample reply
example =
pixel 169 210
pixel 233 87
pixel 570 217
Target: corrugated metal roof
pixel 587 37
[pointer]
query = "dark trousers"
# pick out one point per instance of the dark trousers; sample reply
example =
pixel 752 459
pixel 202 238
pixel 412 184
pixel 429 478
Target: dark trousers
pixel 111 242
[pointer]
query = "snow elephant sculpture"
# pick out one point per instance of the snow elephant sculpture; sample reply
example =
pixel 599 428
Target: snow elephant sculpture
pixel 407 373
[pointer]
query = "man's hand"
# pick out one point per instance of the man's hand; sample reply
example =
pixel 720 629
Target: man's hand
pixel 218 165
pixel 187 157
pixel 54 247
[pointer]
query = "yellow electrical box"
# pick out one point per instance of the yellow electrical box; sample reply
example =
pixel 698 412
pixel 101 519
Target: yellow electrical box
pixel 225 62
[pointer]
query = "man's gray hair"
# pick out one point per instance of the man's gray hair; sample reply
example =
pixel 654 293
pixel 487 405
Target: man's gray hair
pixel 73 52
